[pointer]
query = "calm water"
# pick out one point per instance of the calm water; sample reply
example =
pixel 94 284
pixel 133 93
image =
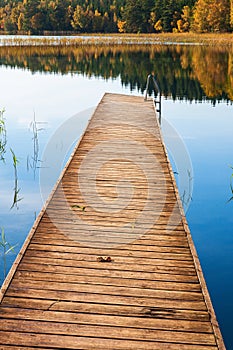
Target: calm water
pixel 41 89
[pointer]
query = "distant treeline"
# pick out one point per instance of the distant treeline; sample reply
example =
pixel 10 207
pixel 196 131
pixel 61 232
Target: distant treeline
pixel 193 73
pixel 112 16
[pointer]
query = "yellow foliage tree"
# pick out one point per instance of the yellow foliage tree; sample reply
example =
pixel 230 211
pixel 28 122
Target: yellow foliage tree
pixel 218 16
pixel 121 26
pixel 231 14
pixel 158 26
pixel 199 17
pixel 186 18
pixel 211 16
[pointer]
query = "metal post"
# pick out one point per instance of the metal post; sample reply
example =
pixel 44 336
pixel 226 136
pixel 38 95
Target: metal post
pixel 156 87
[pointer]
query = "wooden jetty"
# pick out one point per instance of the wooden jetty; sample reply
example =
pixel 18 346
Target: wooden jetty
pixel 110 262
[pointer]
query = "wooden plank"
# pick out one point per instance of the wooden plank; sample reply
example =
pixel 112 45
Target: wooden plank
pixel 108 332
pixel 106 320
pixel 116 198
pixel 166 254
pixel 123 255
pixel 86 343
pixel 143 247
pixel 106 309
pixel 138 271
pixel 109 290
pixel 110 281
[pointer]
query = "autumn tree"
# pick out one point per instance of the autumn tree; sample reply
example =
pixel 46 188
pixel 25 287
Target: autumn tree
pixel 211 16
pixel 231 14
pixel 137 16
pixel 167 15
pixel 219 15
pixel 184 23
pixel 81 19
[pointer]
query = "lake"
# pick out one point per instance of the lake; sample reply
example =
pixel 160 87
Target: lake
pixel 43 88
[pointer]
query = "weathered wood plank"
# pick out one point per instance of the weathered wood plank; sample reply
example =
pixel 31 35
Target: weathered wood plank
pixel 106 299
pixel 118 259
pixel 108 332
pixel 102 270
pixel 109 290
pixel 106 309
pixel 116 198
pixel 140 322
pixel 110 281
pixel 86 343
pixel 125 256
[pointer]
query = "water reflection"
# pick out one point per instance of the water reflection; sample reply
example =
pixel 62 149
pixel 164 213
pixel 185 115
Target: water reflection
pixel 206 131
pixel 194 73
pixel 5 247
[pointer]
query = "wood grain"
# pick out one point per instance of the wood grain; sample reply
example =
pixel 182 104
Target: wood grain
pixel 116 198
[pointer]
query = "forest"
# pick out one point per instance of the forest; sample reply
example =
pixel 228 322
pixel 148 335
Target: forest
pixel 115 16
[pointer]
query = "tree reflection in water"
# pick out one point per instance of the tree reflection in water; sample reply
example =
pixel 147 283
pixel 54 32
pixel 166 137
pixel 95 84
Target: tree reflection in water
pixel 193 72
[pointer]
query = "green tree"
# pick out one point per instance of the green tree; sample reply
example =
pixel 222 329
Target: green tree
pixel 59 16
pixel 166 14
pixel 30 9
pixel 136 15
pixel 97 22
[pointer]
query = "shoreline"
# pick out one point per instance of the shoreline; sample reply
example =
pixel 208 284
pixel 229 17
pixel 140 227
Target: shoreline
pixel 209 39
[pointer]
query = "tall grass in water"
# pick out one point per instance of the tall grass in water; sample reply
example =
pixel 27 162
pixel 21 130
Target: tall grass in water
pixel 7 249
pixel 3 139
pixel 16 198
pixel 33 162
pixel 213 39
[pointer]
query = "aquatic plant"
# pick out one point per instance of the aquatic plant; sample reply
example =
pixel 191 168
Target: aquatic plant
pixel 3 139
pixel 186 197
pixel 210 39
pixel 16 198
pixel 3 151
pixel 5 246
pixel 32 161
pixel 7 249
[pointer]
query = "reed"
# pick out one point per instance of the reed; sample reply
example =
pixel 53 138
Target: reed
pixel 16 191
pixel 7 249
pixel 5 246
pixel 225 39
pixel 3 138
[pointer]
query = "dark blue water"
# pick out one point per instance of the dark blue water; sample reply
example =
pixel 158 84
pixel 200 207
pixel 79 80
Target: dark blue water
pixel 207 133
